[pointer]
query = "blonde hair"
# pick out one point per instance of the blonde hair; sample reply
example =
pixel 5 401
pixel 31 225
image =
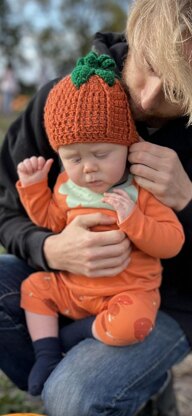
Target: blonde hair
pixel 160 31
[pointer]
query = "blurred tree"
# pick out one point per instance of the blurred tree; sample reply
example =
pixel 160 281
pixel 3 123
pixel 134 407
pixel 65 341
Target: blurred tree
pixel 60 30
pixel 78 21
pixel 9 31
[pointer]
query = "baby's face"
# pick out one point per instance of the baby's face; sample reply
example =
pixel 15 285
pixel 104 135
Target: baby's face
pixel 96 166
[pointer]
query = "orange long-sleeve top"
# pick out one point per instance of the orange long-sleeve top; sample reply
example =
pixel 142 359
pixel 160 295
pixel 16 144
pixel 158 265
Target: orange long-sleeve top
pixel 153 229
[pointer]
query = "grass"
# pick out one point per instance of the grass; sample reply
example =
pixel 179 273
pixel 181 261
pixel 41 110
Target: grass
pixel 12 399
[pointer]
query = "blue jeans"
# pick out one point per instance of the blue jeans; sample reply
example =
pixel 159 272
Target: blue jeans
pixel 16 352
pixel 93 378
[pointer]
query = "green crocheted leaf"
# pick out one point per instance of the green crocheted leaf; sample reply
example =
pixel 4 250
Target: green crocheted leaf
pixel 108 76
pixel 80 62
pixel 92 60
pixel 92 64
pixel 106 62
pixel 81 74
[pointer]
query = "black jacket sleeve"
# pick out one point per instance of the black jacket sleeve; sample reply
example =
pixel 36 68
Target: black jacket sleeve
pixel 26 137
pixel 185 217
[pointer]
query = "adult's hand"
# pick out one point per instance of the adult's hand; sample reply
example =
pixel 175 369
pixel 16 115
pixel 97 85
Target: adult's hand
pixel 93 254
pixel 159 170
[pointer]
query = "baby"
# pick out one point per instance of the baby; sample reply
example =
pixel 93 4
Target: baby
pixel 88 122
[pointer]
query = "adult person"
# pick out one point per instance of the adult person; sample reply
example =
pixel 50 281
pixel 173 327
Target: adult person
pixel 96 378
pixel 9 88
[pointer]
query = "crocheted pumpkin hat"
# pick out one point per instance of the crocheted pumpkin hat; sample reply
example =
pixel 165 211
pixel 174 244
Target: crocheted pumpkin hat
pixel 89 106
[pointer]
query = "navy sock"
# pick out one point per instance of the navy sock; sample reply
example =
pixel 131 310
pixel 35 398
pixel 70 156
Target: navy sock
pixel 75 332
pixel 48 355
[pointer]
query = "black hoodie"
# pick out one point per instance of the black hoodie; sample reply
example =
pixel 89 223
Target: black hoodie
pixel 27 137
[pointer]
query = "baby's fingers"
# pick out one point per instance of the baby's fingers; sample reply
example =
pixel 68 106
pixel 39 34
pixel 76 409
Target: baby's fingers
pixel 113 200
pixel 26 166
pixel 21 168
pixel 47 166
pixel 34 163
pixel 122 193
pixel 40 162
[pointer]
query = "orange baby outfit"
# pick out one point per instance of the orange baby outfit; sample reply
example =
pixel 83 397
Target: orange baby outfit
pixel 125 305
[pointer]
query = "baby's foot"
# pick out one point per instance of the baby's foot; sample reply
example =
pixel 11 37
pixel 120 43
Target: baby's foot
pixel 48 355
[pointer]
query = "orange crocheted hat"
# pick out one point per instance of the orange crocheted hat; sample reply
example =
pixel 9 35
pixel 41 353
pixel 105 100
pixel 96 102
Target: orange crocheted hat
pixel 90 105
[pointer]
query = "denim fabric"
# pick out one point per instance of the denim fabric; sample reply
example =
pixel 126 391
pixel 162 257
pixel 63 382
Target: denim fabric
pixel 16 353
pixel 95 379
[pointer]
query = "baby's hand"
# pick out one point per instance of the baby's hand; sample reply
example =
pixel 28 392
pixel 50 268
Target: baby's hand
pixel 33 170
pixel 121 202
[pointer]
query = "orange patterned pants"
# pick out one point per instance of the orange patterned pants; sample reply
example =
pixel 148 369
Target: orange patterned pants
pixel 122 319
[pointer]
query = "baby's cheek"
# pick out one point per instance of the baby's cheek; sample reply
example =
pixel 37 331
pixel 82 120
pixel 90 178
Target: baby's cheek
pixel 75 177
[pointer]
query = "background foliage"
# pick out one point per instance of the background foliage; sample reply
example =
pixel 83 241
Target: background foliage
pixel 60 30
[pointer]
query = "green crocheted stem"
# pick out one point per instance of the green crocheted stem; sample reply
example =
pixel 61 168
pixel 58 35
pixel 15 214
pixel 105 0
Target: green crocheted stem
pixel 92 64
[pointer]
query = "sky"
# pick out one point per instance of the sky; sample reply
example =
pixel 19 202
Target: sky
pixel 28 11
pixel 32 11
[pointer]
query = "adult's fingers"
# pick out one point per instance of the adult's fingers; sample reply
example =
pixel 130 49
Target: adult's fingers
pixel 107 272
pixel 155 149
pixel 90 220
pixel 110 251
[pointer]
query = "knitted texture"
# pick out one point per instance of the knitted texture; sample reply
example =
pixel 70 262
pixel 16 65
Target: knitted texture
pixel 92 64
pixel 96 109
